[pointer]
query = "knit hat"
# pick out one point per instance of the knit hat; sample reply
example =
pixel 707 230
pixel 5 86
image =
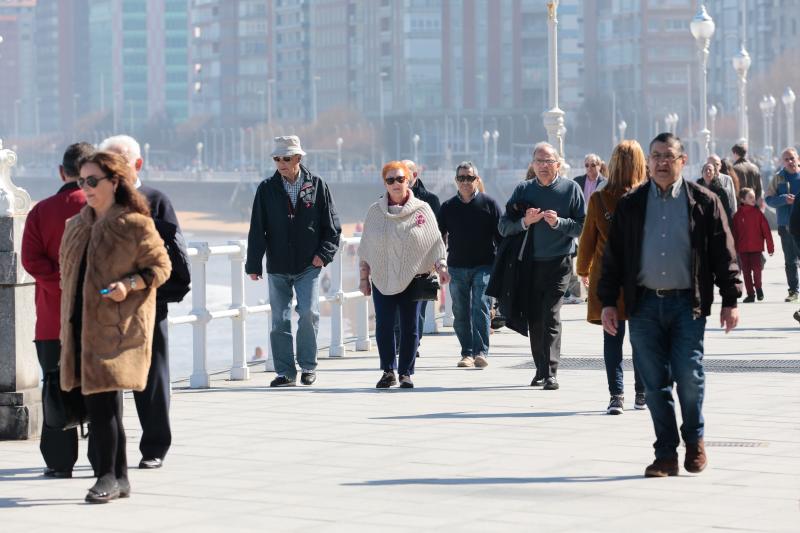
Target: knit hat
pixel 287 145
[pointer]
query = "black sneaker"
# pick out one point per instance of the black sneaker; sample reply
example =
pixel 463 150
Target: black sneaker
pixel 640 403
pixel 537 381
pixel 497 322
pixel 387 380
pixel 616 406
pixel 759 294
pixel 405 382
pixel 750 298
pixel 792 297
pixel 283 381
pixel 796 315
pixel 550 384
pixel 308 378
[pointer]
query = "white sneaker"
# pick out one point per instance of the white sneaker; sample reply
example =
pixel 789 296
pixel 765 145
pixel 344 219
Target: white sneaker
pixel 466 362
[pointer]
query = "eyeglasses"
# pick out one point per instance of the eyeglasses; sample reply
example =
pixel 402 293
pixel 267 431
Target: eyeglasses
pixel 286 158
pixel 395 179
pixel 670 158
pixel 545 161
pixel 466 178
pixel 91 181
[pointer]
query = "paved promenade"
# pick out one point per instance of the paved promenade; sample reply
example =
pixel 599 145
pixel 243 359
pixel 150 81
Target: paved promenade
pixel 467 450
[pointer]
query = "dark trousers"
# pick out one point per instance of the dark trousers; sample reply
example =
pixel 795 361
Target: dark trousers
pixel 152 404
pixel 751 270
pixel 612 356
pixel 386 308
pixel 107 435
pixel 59 448
pixel 420 327
pixel 547 284
pixel 791 255
pixel 668 348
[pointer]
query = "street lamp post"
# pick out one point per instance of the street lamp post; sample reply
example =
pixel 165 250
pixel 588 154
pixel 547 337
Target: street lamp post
pixel 788 102
pixel 702 27
pixel 622 127
pixel 767 106
pixel 381 77
pixel 199 148
pixel 270 82
pixel 712 117
pixel 37 124
pixel 741 63
pixel 146 156
pixel 415 140
pixel 339 142
pixel 17 103
pixel 486 135
pixel 554 117
pixel 495 137
pixel 314 80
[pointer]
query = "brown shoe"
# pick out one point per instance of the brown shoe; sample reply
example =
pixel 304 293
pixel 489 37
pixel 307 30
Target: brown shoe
pixel 662 467
pixel 481 362
pixel 696 459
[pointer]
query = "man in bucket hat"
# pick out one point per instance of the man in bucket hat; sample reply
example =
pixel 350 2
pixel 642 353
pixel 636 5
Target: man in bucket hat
pixel 294 222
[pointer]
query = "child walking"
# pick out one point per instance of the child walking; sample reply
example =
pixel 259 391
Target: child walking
pixel 750 230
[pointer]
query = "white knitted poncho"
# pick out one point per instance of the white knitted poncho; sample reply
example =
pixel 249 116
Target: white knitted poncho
pixel 399 246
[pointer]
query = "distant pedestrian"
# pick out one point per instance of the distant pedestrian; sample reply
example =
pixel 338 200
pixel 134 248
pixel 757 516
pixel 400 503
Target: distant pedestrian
pixel 468 223
pixel 751 231
pixel 668 245
pixel 41 241
pixel 591 180
pixel 728 182
pixel 709 178
pixel 400 243
pixel 550 209
pixel 749 174
pixel 294 222
pixel 626 172
pixel 781 193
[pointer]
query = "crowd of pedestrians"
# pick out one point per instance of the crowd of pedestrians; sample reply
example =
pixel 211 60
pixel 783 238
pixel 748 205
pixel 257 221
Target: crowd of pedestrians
pixel 107 254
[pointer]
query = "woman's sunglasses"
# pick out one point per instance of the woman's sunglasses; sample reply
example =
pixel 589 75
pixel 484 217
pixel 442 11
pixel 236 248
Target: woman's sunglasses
pixel 91 181
pixel 395 179
pixel 286 159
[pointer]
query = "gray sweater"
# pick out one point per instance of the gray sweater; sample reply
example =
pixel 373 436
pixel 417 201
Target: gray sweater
pixel 563 196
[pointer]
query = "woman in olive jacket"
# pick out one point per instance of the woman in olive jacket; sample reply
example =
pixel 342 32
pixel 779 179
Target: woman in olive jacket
pixel 112 260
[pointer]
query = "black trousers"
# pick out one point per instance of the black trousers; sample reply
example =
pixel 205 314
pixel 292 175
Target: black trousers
pixel 107 435
pixel 547 284
pixel 152 404
pixel 59 448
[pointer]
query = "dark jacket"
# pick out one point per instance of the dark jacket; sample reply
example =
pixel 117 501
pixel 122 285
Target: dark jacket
pixel 713 253
pixel 292 235
pixel 178 284
pixel 426 196
pixel 41 240
pixel 794 220
pixel 581 180
pixel 508 282
pixel 749 176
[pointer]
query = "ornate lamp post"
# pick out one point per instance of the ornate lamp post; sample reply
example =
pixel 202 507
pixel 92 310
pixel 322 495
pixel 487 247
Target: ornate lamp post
pixel 712 115
pixel 788 102
pixel 495 136
pixel 702 27
pixel 741 63
pixel 671 122
pixel 554 118
pixel 622 127
pixel 767 106
pixel 415 140
pixel 486 136
pixel 339 142
pixel 199 148
pixel 146 156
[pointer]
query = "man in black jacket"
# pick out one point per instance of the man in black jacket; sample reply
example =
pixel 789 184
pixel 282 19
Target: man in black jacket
pixel 152 404
pixel 294 222
pixel 669 243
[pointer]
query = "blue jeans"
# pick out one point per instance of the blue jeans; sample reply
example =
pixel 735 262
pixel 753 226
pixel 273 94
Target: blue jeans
pixel 306 286
pixel 387 306
pixel 791 255
pixel 471 308
pixel 612 354
pixel 668 347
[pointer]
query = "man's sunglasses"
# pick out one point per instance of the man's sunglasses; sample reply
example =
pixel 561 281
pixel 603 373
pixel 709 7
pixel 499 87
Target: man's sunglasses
pixel 395 179
pixel 91 181
pixel 285 158
pixel 466 178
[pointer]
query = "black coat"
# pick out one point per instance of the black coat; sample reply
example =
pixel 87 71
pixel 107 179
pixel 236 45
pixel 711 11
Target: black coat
pixel 426 196
pixel 713 255
pixel 292 235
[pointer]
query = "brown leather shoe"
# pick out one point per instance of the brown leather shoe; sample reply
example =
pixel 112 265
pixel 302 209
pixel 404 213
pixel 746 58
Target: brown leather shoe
pixel 696 459
pixel 662 468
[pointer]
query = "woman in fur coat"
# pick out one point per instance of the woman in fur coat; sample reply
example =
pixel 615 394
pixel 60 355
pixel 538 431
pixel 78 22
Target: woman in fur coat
pixel 112 260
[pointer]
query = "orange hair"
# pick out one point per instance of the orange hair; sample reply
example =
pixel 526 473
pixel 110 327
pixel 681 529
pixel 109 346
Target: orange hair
pixel 396 165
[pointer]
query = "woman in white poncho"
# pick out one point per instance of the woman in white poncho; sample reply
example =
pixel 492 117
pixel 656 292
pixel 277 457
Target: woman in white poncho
pixel 400 241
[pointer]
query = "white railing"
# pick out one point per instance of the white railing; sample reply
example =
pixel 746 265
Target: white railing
pixel 238 312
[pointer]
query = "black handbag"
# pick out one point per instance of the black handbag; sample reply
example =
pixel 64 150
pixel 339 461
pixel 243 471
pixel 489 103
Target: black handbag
pixel 424 287
pixel 62 410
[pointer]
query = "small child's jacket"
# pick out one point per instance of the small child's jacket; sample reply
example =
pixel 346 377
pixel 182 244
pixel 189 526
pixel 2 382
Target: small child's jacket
pixel 750 230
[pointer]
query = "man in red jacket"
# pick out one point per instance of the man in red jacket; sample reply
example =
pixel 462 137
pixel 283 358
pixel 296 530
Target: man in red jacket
pixel 40 244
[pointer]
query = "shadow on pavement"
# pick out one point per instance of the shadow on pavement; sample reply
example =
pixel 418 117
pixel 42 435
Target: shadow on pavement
pixel 462 415
pixel 21 503
pixel 490 480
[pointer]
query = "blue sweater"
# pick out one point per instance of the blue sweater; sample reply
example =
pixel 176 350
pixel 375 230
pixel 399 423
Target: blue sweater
pixel 783 183
pixel 563 196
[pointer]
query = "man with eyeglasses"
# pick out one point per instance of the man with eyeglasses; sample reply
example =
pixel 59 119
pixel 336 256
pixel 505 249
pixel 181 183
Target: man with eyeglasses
pixel 41 241
pixel 294 222
pixel 668 245
pixel 551 209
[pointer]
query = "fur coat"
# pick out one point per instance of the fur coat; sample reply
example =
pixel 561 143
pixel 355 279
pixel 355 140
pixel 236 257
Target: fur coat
pixel 116 338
